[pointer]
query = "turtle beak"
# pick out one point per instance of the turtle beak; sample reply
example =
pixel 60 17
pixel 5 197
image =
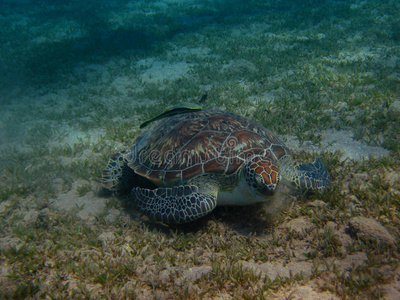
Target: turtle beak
pixel 266 190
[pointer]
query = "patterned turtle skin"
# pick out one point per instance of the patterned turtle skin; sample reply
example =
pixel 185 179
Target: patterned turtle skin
pixel 184 166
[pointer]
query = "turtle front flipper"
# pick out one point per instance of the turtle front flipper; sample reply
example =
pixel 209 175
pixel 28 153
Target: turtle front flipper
pixel 312 176
pixel 179 204
pixel 308 176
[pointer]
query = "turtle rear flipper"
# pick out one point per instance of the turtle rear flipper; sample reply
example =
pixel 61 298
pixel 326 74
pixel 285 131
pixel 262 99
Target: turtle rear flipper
pixel 179 204
pixel 312 176
pixel 118 176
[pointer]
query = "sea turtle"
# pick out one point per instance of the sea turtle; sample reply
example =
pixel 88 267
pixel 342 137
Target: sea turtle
pixel 191 161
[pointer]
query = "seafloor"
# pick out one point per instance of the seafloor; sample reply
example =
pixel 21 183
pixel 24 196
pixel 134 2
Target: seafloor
pixel 78 77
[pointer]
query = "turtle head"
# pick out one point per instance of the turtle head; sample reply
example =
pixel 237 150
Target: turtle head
pixel 261 175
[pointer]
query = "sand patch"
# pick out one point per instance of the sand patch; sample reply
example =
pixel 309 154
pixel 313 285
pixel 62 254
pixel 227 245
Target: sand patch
pixel 334 140
pixel 162 70
pixel 88 206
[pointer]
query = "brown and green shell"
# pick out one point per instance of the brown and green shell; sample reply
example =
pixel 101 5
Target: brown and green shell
pixel 188 144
